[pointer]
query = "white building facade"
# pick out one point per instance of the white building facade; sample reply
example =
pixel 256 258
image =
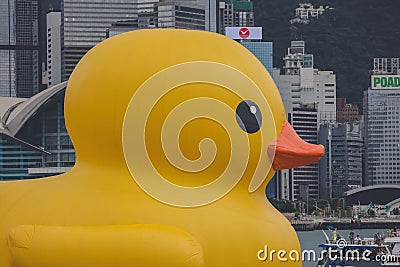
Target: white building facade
pixel 382 123
pixel 309 96
pixel 53 21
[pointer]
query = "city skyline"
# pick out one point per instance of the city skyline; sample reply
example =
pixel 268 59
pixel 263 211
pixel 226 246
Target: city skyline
pixel 309 94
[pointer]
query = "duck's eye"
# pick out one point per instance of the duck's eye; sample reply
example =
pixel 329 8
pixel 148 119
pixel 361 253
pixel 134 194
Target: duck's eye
pixel 248 116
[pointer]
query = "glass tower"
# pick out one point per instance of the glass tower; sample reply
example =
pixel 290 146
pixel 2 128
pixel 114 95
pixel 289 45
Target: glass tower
pixel 180 15
pixel 86 23
pixel 19 50
pixel 263 51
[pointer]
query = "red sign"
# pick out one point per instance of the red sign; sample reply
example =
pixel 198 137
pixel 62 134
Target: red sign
pixel 244 33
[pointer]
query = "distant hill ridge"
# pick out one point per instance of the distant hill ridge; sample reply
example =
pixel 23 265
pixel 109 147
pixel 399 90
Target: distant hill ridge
pixel 344 39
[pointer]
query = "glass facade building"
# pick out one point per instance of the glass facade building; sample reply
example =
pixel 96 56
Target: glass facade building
pixel 35 142
pixel 180 15
pixel 344 171
pixel 263 51
pixel 210 7
pixel 85 23
pixel 20 71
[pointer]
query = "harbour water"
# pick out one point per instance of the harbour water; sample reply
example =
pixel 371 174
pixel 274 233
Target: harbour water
pixel 310 240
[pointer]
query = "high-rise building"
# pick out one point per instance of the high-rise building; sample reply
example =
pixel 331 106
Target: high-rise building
pixel 180 15
pixel 84 24
pixel 309 96
pixel 53 21
pixel 235 13
pixel 382 123
pixel 300 183
pixel 20 68
pixel 210 7
pixel 340 169
pixel 301 84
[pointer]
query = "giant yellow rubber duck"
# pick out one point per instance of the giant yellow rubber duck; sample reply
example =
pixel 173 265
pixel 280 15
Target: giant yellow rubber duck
pixel 177 134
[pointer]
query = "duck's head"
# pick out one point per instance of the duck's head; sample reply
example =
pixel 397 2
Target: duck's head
pixel 189 114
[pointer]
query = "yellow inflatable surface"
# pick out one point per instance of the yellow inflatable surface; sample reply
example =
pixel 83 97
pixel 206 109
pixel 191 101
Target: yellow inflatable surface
pixel 177 134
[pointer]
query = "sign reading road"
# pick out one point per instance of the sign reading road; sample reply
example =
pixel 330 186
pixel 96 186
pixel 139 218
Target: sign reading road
pixel 244 33
pixel 385 82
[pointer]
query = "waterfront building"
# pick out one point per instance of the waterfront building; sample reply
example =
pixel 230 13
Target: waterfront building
pixel 53 34
pixel 235 13
pixel 20 68
pixel 382 123
pixel 309 96
pixel 340 169
pixel 33 138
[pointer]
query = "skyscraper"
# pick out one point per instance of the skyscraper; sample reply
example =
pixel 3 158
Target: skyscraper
pixel 382 123
pixel 341 166
pixel 210 8
pixel 235 13
pixel 84 24
pixel 53 20
pixel 20 70
pixel 301 84
pixel 309 96
pixel 180 15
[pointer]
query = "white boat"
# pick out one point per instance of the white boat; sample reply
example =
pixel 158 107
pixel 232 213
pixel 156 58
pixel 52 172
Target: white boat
pixel 392 254
pixel 368 252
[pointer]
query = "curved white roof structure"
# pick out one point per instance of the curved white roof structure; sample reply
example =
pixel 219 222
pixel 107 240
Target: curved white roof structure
pixel 371 187
pixel 15 112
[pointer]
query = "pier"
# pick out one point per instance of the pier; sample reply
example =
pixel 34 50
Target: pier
pixel 310 224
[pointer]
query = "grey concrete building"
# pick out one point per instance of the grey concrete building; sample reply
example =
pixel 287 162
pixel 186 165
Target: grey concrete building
pixel 340 169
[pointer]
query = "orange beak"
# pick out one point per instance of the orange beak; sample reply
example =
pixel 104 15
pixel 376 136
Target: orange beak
pixel 290 151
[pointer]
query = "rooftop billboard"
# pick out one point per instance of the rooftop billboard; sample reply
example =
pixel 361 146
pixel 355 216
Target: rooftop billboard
pixel 385 82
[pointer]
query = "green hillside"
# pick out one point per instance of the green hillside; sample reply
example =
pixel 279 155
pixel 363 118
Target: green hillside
pixel 345 39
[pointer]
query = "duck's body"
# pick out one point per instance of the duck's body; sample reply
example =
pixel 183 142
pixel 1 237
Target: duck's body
pixel 103 213
pixel 233 226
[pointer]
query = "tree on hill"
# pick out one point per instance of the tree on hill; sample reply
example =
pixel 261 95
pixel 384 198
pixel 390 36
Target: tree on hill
pixel 345 39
